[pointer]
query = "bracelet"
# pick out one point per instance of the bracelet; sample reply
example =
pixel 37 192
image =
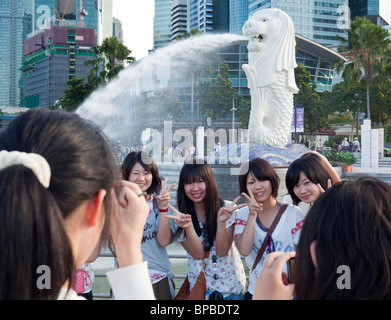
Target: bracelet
pixel 163 210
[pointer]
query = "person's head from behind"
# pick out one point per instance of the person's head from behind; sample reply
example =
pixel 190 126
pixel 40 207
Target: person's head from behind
pixel 344 251
pixel 260 178
pixel 139 167
pixel 56 233
pixel 197 186
pixel 303 176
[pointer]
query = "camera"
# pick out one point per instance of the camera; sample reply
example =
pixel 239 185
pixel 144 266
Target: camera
pixel 291 268
pixel 215 295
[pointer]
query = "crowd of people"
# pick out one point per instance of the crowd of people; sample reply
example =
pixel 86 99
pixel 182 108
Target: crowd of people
pixel 62 198
pixel 349 146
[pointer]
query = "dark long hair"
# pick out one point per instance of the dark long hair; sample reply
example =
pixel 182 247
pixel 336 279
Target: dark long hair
pixel 147 163
pixel 311 165
pixel 81 163
pixel 262 170
pixel 351 224
pixel 193 172
pixel 32 234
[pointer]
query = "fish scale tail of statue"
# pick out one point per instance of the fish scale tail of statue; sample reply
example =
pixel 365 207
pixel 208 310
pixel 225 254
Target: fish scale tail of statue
pixel 270 76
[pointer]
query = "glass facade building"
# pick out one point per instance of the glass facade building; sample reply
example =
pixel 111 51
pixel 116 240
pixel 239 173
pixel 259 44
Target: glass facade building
pixel 238 15
pixel 199 15
pixel 315 20
pixel 378 11
pixel 162 24
pixel 15 24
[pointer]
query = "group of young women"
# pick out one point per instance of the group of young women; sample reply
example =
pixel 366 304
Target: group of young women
pixel 203 222
pixel 60 199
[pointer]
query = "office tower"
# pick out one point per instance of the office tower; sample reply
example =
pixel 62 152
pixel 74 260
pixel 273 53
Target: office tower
pixel 378 11
pixel 315 20
pixel 162 24
pixel 199 15
pixel 220 19
pixel 15 24
pixel 238 15
pixel 117 30
pixel 105 29
pixel 178 18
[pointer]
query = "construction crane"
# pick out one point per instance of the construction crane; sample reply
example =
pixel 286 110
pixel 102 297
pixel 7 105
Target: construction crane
pixel 60 18
pixel 83 13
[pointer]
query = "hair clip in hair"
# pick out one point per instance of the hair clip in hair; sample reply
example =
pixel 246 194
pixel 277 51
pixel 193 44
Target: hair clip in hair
pixel 33 161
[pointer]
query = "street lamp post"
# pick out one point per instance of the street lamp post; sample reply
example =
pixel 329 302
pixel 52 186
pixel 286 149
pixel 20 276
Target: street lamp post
pixel 233 113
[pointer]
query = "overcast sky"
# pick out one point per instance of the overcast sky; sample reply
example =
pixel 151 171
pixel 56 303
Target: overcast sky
pixel 137 24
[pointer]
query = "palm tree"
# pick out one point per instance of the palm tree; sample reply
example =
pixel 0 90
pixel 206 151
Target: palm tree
pixel 367 48
pixel 114 54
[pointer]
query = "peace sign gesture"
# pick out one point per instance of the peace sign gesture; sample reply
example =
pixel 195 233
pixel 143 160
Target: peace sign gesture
pixel 253 206
pixel 328 186
pixel 182 220
pixel 226 212
pixel 164 195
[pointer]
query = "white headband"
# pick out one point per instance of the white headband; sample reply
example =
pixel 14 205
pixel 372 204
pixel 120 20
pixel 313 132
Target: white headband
pixel 34 161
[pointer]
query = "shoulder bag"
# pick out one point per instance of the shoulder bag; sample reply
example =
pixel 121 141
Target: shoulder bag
pixel 199 288
pixel 269 233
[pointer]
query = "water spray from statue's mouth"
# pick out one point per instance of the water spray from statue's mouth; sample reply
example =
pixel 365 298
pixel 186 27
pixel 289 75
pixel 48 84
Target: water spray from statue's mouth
pixel 257 38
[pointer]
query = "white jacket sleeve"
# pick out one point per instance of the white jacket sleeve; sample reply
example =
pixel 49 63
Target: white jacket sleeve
pixel 131 283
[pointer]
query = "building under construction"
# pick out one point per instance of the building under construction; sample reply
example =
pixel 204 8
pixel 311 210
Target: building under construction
pixel 56 52
pixel 52 57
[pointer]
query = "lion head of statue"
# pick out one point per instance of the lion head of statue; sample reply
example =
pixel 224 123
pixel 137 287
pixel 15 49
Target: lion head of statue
pixel 271 46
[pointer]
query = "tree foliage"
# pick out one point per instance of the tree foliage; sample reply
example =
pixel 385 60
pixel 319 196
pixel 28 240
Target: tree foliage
pixel 74 95
pixel 111 56
pixel 315 114
pixel 367 47
pixel 216 94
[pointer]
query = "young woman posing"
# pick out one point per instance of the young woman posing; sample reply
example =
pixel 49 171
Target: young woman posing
pixel 139 167
pixel 259 185
pixel 308 177
pixel 203 215
pixel 58 189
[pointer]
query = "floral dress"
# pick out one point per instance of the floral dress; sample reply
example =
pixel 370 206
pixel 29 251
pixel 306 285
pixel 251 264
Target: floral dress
pixel 223 274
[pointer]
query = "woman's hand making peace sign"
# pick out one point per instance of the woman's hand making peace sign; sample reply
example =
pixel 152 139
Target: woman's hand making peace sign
pixel 253 206
pixel 164 195
pixel 183 220
pixel 226 212
pixel 192 244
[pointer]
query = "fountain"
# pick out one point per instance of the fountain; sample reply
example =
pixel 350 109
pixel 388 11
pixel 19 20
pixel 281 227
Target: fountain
pixel 270 73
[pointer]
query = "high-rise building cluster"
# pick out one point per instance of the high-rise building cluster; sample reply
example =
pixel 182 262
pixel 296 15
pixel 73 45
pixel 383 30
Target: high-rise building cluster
pixel 44 43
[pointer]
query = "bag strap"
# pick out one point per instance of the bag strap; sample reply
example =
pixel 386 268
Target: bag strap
pixel 267 238
pixel 155 206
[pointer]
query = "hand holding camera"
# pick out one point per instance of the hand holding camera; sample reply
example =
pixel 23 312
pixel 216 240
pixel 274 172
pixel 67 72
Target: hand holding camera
pixel 272 283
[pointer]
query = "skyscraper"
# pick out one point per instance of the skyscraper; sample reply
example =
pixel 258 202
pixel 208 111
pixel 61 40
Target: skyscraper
pixel 315 20
pixel 15 24
pixel 117 30
pixel 162 24
pixel 199 15
pixel 238 15
pixel 178 18
pixel 378 11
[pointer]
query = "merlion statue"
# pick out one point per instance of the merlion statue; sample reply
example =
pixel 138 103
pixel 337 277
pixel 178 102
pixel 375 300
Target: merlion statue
pixel 270 75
